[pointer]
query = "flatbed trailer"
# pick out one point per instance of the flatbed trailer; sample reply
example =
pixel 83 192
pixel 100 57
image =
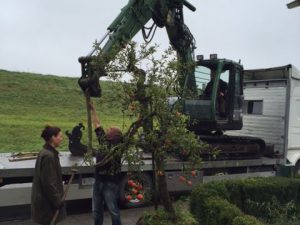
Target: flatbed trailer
pixel 16 179
pixel 22 171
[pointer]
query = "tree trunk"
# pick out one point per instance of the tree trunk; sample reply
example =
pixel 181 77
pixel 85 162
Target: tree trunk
pixel 163 189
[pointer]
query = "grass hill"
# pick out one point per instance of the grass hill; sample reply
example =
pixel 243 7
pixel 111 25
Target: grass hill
pixel 30 101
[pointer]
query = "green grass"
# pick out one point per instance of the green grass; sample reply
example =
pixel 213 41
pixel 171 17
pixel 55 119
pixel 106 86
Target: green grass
pixel 30 101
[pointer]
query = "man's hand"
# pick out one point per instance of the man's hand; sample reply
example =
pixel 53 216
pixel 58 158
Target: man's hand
pixel 92 107
pixel 95 118
pixel 61 205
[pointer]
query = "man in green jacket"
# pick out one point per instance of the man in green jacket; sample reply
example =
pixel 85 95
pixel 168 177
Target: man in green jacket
pixel 47 187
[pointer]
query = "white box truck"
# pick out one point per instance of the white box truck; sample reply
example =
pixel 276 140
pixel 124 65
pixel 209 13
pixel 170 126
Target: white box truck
pixel 271 110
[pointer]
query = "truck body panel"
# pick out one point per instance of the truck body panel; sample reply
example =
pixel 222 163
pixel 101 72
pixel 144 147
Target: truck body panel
pixel 293 153
pixel 271 109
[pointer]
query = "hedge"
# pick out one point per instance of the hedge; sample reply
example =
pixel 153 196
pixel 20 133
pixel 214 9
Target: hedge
pixel 246 220
pixel 262 190
pixel 233 198
pixel 160 217
pixel 220 211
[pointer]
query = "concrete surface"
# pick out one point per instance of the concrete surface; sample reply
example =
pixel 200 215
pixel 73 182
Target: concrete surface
pixel 129 217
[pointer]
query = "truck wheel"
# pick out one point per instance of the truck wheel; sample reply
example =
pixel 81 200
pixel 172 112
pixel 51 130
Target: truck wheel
pixel 135 190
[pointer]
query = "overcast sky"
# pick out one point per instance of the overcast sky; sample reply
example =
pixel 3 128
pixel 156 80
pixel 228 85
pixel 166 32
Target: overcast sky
pixel 48 36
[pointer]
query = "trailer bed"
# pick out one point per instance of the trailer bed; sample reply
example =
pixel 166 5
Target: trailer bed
pixel 12 172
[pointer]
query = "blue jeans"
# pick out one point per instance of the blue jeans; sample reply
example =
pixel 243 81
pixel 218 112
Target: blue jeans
pixel 108 192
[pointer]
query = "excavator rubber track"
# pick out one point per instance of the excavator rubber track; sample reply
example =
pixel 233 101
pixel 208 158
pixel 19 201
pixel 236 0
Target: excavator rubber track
pixel 234 147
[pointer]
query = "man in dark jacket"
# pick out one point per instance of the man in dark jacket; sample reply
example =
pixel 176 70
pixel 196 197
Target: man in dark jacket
pixel 47 187
pixel 222 87
pixel 221 93
pixel 107 177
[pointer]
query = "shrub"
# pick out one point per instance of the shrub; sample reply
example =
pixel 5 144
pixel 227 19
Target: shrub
pixel 266 190
pixel 160 217
pixel 200 195
pixel 220 212
pixel 273 212
pixel 246 220
pixel 262 197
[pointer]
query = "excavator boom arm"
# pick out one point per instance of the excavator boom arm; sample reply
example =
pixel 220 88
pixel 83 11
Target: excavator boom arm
pixel 132 19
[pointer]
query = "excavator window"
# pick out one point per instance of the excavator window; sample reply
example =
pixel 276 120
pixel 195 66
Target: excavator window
pixel 225 76
pixel 219 95
pixel 205 78
pixel 238 90
pixel 202 77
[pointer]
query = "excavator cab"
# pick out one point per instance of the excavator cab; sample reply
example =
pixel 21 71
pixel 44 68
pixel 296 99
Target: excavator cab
pixel 215 104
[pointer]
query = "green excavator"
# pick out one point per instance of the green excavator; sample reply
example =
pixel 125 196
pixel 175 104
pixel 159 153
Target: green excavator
pixel 216 84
